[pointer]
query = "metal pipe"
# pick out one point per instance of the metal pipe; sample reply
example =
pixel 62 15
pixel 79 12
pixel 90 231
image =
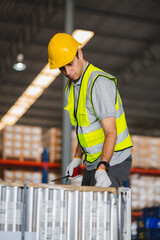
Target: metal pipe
pixel 66 125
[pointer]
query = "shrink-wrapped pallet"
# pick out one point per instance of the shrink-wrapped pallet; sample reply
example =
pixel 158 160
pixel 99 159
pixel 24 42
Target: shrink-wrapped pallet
pixel 22 176
pixel 22 143
pixel 145 191
pixel 52 141
pixel 146 152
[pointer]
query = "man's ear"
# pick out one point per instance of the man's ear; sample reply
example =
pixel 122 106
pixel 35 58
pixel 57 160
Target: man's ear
pixel 80 54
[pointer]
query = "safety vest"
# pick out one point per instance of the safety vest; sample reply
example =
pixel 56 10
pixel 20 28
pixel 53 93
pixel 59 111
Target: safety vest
pixel 90 134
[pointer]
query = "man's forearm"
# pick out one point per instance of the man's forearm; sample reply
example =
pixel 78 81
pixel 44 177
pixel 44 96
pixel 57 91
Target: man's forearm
pixel 78 152
pixel 108 146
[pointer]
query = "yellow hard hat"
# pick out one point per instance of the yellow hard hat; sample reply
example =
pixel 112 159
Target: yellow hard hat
pixel 62 48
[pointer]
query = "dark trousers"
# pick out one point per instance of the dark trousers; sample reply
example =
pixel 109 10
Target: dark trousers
pixel 117 174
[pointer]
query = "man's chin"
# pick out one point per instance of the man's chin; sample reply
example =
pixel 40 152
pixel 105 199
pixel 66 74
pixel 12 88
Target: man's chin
pixel 75 79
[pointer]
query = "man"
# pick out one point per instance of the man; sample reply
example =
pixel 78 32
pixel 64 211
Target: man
pixel 96 112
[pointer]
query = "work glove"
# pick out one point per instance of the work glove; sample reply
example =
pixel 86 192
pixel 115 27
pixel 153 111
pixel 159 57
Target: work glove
pixel 76 162
pixel 102 179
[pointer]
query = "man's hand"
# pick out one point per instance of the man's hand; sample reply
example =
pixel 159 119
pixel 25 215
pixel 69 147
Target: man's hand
pixel 102 179
pixel 76 162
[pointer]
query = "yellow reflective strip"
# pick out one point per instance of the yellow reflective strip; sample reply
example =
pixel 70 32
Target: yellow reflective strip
pixel 90 97
pixel 83 120
pixel 124 144
pixel 117 104
pixel 70 106
pixel 67 85
pixel 120 98
pixel 121 124
pixel 93 157
pixel 67 107
pixel 91 139
pixel 83 92
pixel 82 116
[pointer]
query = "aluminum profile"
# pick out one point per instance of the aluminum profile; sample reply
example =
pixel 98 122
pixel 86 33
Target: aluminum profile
pixel 61 212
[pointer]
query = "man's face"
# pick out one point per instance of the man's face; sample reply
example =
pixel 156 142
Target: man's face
pixel 74 69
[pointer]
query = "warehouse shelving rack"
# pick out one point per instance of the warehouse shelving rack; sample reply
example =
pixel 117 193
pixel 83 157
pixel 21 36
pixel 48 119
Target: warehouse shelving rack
pixel 48 165
pixel 29 163
pixel 145 171
pixel 45 165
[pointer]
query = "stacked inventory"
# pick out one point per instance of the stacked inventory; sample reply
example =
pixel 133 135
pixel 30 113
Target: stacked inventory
pixel 146 152
pixel 22 143
pixel 22 176
pixel 145 191
pixel 52 141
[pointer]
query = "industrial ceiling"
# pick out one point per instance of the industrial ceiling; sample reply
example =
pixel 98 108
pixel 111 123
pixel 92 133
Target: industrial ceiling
pixel 126 44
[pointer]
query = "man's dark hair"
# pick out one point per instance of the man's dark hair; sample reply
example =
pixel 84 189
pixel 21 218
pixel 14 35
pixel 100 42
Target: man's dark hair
pixel 77 54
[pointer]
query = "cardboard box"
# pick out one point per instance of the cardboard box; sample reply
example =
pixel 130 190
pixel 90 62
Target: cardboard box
pixel 146 152
pixel 22 143
pixel 22 176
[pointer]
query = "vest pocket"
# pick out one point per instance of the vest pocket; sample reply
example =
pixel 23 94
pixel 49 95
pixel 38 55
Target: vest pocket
pixel 83 120
pixel 91 139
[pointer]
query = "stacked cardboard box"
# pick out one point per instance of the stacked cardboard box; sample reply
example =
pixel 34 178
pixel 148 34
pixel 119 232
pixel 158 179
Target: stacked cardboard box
pixel 52 141
pixel 22 176
pixel 146 152
pixel 22 142
pixel 145 191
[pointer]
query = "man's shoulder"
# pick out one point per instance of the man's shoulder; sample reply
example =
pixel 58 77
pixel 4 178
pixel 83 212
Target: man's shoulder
pixel 104 81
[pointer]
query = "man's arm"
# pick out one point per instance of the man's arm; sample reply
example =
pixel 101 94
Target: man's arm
pixel 110 132
pixel 78 152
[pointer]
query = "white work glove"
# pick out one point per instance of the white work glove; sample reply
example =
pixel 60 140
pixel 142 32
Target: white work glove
pixel 76 162
pixel 102 179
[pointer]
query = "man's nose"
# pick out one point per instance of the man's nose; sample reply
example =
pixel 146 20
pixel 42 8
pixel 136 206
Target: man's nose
pixel 67 69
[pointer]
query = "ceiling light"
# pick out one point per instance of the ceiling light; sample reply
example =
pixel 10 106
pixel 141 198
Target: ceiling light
pixel 23 101
pixel 33 91
pixel 9 119
pixel 47 69
pixel 2 125
pixel 82 36
pixel 19 66
pixel 43 80
pixel 17 110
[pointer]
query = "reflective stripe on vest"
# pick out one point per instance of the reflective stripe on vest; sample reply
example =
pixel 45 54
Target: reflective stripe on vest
pixel 91 135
